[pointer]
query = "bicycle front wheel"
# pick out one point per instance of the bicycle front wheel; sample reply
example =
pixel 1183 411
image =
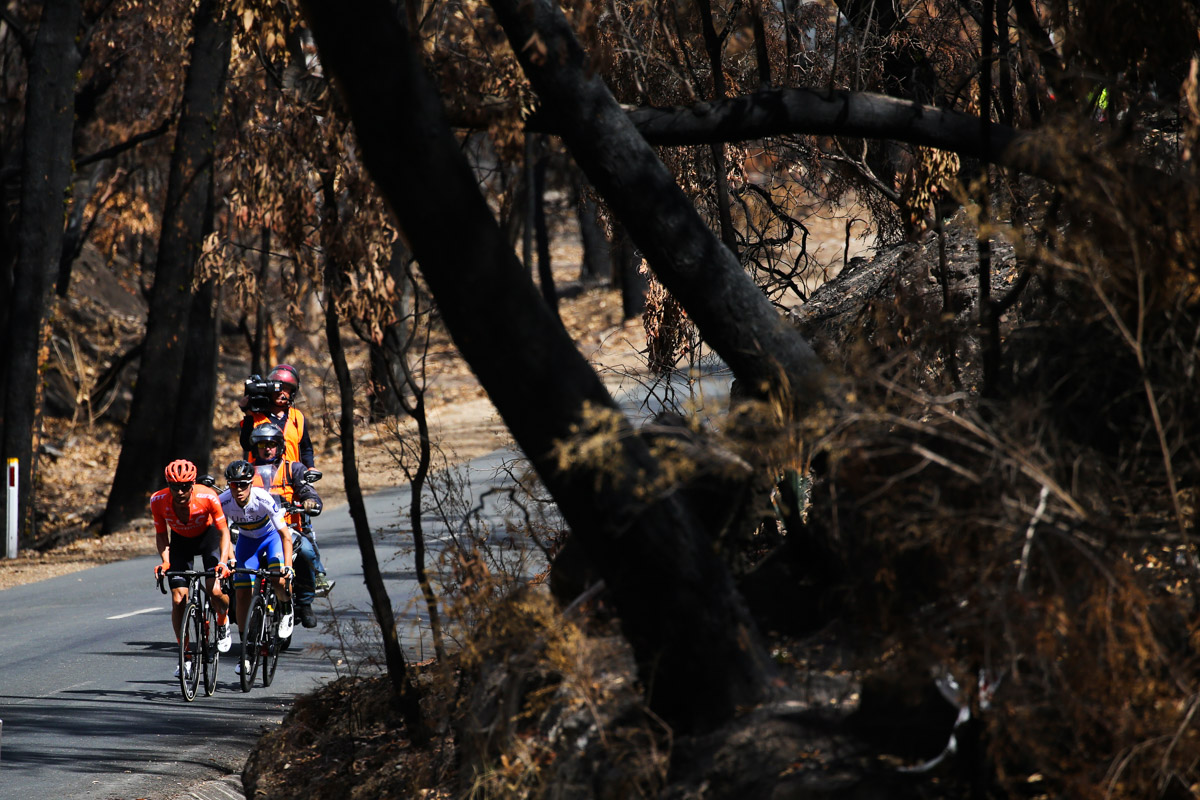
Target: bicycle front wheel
pixel 252 643
pixel 212 656
pixel 191 638
pixel 272 646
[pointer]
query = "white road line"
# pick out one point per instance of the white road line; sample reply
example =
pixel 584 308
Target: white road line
pixel 135 613
pixel 52 692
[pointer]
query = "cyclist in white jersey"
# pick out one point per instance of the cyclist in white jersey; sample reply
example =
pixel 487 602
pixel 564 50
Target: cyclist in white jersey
pixel 264 540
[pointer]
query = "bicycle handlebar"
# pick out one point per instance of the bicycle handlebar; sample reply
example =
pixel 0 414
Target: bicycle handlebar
pixel 270 573
pixel 182 573
pixel 291 508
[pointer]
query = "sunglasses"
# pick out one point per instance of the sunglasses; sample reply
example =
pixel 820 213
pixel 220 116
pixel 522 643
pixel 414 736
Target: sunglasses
pixel 179 487
pixel 240 484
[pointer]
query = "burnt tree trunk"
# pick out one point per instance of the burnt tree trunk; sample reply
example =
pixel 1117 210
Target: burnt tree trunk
pixel 732 314
pixel 595 267
pixel 388 382
pixel 629 280
pixel 713 45
pixel 405 695
pixel 691 635
pixel 149 435
pixel 258 355
pixel 198 387
pixel 541 227
pixel 819 112
pixel 75 234
pixel 45 175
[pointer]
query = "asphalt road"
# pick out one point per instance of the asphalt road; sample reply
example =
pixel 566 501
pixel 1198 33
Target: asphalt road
pixel 88 702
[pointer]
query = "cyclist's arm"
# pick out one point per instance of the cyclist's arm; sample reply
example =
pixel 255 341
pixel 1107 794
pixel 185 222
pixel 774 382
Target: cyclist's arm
pixel 285 534
pixel 162 541
pixel 226 549
pixel 279 520
pixel 162 537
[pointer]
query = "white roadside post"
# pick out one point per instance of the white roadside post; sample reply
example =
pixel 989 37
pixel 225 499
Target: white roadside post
pixel 10 541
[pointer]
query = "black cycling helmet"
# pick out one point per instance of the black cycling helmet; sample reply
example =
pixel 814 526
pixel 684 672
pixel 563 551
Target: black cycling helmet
pixel 239 471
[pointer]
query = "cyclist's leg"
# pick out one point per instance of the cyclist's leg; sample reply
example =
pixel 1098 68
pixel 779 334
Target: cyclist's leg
pixel 243 608
pixel 246 552
pixel 275 560
pixel 211 554
pixel 179 598
pixel 183 555
pixel 271 554
pixel 218 607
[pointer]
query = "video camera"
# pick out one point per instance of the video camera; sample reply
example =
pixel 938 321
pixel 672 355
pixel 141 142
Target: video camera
pixel 261 392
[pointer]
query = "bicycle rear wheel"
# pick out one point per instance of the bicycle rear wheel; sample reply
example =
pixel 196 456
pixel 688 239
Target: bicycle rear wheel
pixel 191 636
pixel 212 656
pixel 256 619
pixel 273 646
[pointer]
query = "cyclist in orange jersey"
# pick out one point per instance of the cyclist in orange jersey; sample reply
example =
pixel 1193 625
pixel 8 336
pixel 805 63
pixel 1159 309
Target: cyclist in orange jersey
pixel 189 522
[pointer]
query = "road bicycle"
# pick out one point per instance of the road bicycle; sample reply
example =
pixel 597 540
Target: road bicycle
pixel 197 634
pixel 261 644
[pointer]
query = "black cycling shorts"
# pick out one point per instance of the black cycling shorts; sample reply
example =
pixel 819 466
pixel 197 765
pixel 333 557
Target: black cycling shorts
pixel 184 550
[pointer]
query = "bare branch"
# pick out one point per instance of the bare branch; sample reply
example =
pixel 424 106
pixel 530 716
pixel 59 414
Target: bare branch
pixel 121 147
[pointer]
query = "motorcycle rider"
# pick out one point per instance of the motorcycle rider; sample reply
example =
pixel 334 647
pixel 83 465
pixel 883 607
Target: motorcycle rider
pixel 286 481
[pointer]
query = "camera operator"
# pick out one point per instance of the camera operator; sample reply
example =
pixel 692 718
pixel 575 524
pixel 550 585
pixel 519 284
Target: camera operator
pixel 271 401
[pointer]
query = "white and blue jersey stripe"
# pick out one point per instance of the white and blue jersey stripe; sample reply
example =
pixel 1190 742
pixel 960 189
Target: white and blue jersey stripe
pixel 261 516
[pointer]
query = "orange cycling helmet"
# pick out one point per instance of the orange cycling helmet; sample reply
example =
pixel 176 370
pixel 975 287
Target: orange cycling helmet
pixel 181 471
